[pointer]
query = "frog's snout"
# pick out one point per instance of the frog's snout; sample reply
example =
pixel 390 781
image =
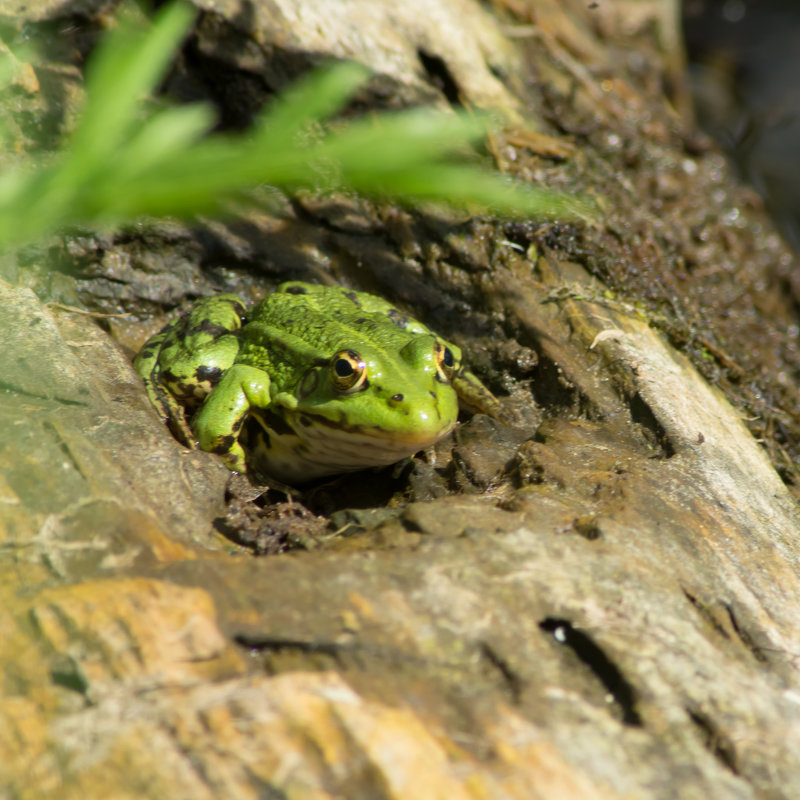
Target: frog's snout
pixel 423 424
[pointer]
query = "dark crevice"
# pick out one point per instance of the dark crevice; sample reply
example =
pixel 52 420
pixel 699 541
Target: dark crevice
pixel 91 274
pixel 346 655
pixel 237 94
pixel 69 676
pixel 18 390
pixel 550 382
pixel 497 71
pixel 588 526
pixel 512 680
pixel 745 638
pixel 642 415
pixel 705 613
pixel 440 76
pixel 278 643
pixel 64 447
pixel 323 217
pixel 282 644
pixel 265 789
pixel 716 743
pixel 590 654
pixel 520 234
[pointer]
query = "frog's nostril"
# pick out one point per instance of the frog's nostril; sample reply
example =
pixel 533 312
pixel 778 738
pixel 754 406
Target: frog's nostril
pixel 397 398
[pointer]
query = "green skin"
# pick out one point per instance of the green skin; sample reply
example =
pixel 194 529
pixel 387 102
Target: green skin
pixel 314 381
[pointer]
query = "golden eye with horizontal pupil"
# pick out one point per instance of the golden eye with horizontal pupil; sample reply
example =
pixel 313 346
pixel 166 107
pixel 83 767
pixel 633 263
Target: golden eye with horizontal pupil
pixel 348 372
pixel 446 365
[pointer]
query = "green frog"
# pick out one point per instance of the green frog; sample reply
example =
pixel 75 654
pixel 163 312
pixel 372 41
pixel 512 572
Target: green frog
pixel 313 381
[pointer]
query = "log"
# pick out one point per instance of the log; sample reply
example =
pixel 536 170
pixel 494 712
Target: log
pixel 597 601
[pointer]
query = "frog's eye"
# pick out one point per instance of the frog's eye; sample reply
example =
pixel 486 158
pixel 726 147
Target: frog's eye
pixel 446 366
pixel 348 372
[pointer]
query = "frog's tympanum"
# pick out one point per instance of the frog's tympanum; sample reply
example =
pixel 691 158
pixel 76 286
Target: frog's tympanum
pixel 313 381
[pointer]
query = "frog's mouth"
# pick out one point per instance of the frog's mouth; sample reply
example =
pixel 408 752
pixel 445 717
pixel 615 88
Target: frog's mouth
pixel 412 440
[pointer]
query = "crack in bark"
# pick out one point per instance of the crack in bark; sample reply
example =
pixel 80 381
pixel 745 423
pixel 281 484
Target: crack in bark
pixel 604 669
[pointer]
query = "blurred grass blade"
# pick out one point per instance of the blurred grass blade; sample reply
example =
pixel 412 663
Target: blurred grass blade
pixel 481 191
pixel 168 133
pixel 8 66
pixel 123 71
pixel 126 158
pixel 313 98
pixel 412 137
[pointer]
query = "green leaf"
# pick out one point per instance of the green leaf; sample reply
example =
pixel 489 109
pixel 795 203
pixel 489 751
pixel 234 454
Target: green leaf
pixel 124 69
pixel 129 157
pixel 312 99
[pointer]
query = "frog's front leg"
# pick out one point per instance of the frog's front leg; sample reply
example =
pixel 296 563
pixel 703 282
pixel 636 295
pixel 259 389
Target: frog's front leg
pixel 181 364
pixel 218 422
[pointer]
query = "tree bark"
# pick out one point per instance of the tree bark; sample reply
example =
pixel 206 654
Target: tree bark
pixel 600 600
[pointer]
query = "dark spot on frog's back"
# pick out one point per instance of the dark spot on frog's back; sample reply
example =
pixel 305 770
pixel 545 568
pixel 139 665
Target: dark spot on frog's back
pixel 210 374
pixel 211 328
pixel 296 289
pixel 353 298
pixel 223 445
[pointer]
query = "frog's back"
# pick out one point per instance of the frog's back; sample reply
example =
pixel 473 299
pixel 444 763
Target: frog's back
pixel 344 303
pixel 302 325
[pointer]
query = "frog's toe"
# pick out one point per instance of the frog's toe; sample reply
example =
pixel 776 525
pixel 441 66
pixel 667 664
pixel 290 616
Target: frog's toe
pixel 170 411
pixel 225 445
pixel 176 421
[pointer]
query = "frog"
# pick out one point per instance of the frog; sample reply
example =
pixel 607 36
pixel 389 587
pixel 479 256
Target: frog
pixel 313 381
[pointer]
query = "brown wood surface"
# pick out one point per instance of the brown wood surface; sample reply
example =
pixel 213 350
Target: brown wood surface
pixel 599 601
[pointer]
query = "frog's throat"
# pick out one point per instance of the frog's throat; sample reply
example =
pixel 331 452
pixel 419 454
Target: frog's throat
pixel 298 453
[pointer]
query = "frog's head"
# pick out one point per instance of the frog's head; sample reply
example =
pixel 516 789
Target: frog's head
pixel 375 403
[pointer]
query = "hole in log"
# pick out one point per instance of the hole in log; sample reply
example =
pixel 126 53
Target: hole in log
pixel 440 76
pixel 643 416
pixel 599 663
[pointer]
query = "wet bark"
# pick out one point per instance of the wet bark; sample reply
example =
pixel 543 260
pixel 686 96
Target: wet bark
pixel 600 600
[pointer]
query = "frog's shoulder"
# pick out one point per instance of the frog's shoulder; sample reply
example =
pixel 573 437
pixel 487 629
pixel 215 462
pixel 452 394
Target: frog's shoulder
pixel 351 301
